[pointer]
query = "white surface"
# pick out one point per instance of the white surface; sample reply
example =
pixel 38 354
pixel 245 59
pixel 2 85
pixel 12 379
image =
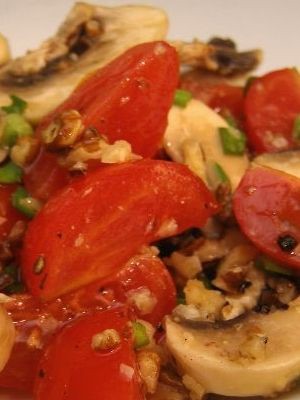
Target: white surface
pixel 272 25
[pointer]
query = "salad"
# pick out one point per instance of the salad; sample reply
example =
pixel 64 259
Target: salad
pixel 149 215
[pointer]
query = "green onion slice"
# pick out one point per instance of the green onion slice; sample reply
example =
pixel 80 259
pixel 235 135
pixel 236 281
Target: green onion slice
pixel 233 141
pixel 220 173
pixel 296 128
pixel 23 202
pixel 17 105
pixel 15 125
pixel 248 84
pixel 182 97
pixel 180 298
pixel 10 173
pixel 140 336
pixel 268 265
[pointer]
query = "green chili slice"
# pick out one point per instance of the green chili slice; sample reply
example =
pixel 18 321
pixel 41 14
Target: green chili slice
pixel 182 97
pixel 17 105
pixel 140 336
pixel 10 173
pixel 23 202
pixel 268 265
pixel 233 141
pixel 15 125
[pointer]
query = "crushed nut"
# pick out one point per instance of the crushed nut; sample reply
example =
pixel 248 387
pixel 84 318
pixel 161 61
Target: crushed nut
pixel 64 131
pixel 109 339
pixel 25 150
pixel 209 301
pixel 142 299
pixel 149 363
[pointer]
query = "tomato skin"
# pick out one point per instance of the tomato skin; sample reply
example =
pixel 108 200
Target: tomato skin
pixel 86 373
pixel 93 226
pixel 8 214
pixel 271 105
pixel 129 98
pixel 29 315
pixel 266 205
pixel 223 98
pixel 45 176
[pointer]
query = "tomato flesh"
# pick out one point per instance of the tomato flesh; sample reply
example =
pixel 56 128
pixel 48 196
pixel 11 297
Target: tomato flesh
pixel 271 105
pixel 266 205
pixel 85 372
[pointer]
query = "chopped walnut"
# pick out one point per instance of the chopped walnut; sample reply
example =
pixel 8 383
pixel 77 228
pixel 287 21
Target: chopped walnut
pixel 149 365
pixel 209 302
pixel 106 340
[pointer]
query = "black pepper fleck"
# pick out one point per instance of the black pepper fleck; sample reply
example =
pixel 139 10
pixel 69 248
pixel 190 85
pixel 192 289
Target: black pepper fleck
pixel 287 243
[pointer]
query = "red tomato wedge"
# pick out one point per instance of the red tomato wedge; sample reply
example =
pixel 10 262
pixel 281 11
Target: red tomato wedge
pixel 271 105
pixel 93 226
pixel 36 322
pixel 71 369
pixel 267 207
pixel 8 214
pixel 129 98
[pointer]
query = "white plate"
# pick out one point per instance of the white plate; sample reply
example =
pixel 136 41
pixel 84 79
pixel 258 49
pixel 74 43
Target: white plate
pixel 272 25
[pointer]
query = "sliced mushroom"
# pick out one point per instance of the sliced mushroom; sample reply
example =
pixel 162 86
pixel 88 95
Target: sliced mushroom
pixel 90 37
pixel 7 337
pixel 287 161
pixel 217 55
pixel 257 356
pixel 4 50
pixel 192 137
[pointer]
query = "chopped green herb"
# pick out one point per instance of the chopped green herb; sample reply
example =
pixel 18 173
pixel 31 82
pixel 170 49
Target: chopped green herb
pixel 296 128
pixel 268 265
pixel 17 105
pixel 248 84
pixel 182 97
pixel 221 174
pixel 10 173
pixel 140 336
pixel 180 299
pixel 233 141
pixel 15 125
pixel 229 118
pixel 23 202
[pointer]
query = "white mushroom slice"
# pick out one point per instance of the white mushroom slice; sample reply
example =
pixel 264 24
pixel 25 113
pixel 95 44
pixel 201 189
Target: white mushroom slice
pixel 192 137
pixel 4 50
pixel 257 356
pixel 90 37
pixel 288 161
pixel 7 337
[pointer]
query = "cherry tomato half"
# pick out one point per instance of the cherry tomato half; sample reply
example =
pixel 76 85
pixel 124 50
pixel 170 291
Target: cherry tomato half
pixel 267 207
pixel 271 105
pixel 72 369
